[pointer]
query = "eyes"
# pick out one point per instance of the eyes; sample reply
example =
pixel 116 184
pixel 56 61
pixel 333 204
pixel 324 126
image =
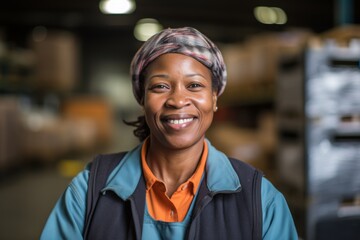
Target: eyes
pixel 163 87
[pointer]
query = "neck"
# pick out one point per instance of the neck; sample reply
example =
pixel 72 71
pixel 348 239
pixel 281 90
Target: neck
pixel 173 167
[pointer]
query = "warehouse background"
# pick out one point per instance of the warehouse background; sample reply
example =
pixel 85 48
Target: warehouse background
pixel 291 107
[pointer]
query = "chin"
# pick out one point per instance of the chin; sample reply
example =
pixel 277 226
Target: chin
pixel 183 142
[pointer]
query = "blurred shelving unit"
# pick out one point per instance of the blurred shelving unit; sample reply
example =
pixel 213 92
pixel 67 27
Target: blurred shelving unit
pixel 42 118
pixel 290 157
pixel 249 106
pixel 332 134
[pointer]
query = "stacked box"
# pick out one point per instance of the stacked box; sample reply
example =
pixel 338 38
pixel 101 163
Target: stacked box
pixel 57 62
pixel 95 109
pixel 10 133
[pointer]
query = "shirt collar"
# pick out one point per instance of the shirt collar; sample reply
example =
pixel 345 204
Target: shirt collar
pixel 221 175
pixel 193 181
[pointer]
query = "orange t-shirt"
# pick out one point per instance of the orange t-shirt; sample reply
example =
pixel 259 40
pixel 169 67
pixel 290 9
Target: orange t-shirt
pixel 159 205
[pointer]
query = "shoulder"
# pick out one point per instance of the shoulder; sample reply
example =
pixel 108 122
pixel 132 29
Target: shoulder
pixel 269 193
pixel 268 190
pixel 78 187
pixel 276 216
pixel 115 158
pixel 240 164
pixel 245 170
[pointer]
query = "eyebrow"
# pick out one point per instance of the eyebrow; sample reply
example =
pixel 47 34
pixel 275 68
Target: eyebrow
pixel 167 76
pixel 159 75
pixel 195 74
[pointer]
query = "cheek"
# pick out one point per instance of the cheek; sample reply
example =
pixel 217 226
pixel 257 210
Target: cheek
pixel 149 111
pixel 206 103
pixel 151 102
pixel 151 108
pixel 150 117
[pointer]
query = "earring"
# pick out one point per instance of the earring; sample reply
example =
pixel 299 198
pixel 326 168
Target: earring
pixel 216 108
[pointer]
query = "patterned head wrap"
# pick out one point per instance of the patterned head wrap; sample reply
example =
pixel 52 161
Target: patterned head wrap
pixel 187 41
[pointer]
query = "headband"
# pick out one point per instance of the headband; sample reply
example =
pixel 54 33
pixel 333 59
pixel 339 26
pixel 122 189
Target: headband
pixel 187 41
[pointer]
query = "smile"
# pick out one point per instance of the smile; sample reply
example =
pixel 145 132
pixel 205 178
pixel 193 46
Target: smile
pixel 180 121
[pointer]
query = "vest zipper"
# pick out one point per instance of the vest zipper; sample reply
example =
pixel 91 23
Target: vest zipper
pixel 137 224
pixel 257 234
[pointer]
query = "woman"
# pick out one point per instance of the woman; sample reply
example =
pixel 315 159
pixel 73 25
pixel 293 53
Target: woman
pixel 175 184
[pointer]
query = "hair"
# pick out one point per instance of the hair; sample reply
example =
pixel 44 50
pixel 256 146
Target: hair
pixel 142 130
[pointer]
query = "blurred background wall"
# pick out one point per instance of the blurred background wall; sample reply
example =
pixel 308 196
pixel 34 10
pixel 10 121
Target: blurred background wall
pixel 291 107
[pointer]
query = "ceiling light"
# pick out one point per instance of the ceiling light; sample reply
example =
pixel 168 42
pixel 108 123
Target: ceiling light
pixel 281 17
pixel 117 6
pixel 270 15
pixel 145 28
pixel 265 15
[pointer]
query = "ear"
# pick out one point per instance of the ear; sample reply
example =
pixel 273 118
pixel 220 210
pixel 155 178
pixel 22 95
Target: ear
pixel 214 101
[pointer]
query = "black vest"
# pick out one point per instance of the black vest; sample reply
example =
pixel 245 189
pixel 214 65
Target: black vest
pixel 216 215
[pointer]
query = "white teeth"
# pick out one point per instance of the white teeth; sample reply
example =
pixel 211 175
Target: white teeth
pixel 181 121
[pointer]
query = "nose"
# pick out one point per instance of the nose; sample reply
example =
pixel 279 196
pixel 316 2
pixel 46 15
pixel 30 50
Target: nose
pixel 177 99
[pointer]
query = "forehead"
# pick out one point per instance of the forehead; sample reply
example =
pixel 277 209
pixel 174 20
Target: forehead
pixel 176 61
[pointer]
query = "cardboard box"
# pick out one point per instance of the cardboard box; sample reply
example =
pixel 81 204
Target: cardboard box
pixel 91 108
pixel 48 138
pixel 57 62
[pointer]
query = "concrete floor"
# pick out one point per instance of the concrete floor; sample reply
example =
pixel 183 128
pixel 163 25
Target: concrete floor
pixel 26 199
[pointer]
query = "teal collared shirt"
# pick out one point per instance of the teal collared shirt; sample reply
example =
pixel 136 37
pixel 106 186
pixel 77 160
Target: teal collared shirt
pixel 66 220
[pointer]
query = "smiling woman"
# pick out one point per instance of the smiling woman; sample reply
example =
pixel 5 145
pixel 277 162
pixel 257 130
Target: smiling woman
pixel 174 184
pixel 179 101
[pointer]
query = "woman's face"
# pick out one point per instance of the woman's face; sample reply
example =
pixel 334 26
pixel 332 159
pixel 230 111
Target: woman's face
pixel 179 101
